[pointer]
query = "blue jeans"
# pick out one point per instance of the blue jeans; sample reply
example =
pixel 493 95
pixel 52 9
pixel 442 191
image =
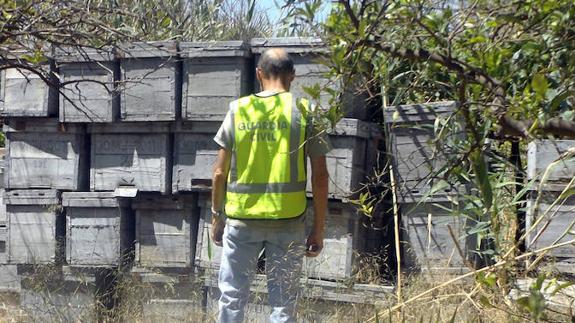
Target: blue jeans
pixel 284 250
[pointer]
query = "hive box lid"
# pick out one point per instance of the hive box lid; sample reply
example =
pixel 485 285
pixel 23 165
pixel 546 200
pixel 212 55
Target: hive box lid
pixel 44 125
pixel 93 199
pixel 130 127
pixel 419 112
pixel 162 202
pixel 289 44
pixel 74 54
pixel 215 49
pixel 147 50
pixel 32 197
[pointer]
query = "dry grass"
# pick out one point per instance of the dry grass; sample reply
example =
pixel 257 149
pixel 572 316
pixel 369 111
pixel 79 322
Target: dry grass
pixel 181 299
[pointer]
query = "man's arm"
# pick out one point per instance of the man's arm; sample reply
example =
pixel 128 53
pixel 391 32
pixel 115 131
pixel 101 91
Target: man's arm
pixel 219 179
pixel 319 187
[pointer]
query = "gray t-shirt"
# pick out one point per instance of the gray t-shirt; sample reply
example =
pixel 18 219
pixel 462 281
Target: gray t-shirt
pixel 316 144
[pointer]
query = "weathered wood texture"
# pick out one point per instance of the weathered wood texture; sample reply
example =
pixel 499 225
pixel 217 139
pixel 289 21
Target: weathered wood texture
pixel 425 238
pixel 166 230
pixel 25 94
pixel 342 243
pixel 9 278
pixel 551 220
pixel 215 73
pixel 307 55
pixel 152 83
pixel 195 153
pixel 131 154
pixel 351 158
pixel 208 255
pixel 169 297
pixel 414 154
pixel 88 77
pixel 45 154
pixel 540 154
pixel 99 229
pixel 36 226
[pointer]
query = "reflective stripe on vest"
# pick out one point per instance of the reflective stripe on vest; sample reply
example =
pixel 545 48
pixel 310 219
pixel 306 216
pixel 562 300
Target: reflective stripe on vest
pixel 267 173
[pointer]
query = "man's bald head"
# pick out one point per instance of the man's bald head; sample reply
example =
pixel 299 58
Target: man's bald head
pixel 275 63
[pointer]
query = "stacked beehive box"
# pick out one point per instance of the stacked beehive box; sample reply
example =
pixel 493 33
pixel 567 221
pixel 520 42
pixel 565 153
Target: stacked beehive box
pixel 417 159
pixel 113 172
pixel 551 213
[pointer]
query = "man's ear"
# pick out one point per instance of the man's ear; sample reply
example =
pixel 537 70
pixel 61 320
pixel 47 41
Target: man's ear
pixel 259 74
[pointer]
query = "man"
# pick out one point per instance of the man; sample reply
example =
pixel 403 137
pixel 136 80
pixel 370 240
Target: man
pixel 260 172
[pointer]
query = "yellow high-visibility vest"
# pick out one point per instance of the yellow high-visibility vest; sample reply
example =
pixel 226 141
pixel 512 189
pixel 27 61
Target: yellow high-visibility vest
pixel 267 178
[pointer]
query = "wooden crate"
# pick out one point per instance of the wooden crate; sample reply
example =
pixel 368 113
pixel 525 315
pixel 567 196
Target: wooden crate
pixel 25 94
pixel 44 154
pixel 307 55
pixel 99 229
pixel 36 227
pixel 88 93
pixel 541 153
pixel 215 73
pixel 169 296
pixel 152 82
pixel 195 153
pixel 348 162
pixel 131 154
pixel 343 242
pixel 555 220
pixel 426 242
pixel 413 153
pixel 166 230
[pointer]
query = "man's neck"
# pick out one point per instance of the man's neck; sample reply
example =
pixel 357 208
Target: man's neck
pixel 275 85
